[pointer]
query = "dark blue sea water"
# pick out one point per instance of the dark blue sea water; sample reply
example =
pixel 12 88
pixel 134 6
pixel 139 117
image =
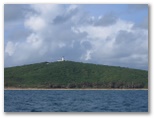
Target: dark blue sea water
pixel 76 101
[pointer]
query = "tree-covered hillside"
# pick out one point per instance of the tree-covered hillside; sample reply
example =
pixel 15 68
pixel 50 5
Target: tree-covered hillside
pixel 67 74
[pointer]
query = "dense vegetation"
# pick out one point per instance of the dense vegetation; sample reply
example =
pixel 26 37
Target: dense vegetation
pixel 69 74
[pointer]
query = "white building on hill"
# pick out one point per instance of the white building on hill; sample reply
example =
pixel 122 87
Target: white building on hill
pixel 62 59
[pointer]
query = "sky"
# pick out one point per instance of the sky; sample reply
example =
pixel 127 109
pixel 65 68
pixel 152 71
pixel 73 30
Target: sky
pixel 107 34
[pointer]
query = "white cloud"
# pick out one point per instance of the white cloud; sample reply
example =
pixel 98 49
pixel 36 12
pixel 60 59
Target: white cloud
pixel 71 7
pixel 103 32
pixel 87 56
pixel 132 45
pixel 35 23
pixel 10 48
pixel 45 9
pixel 34 40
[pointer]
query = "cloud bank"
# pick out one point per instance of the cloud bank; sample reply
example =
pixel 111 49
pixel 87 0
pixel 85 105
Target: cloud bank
pixel 36 33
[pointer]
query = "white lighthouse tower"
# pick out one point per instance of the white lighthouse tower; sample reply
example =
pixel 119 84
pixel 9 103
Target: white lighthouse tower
pixel 62 59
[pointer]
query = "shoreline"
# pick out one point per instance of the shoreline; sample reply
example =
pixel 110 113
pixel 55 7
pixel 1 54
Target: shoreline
pixel 13 88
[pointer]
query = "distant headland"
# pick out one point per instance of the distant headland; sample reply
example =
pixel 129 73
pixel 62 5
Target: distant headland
pixel 74 75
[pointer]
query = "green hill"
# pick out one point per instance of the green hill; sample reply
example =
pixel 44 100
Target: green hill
pixel 68 74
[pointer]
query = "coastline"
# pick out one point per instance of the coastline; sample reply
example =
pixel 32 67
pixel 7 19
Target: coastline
pixel 13 88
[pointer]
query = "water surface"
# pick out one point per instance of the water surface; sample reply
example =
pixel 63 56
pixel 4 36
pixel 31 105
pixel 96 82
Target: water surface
pixel 76 100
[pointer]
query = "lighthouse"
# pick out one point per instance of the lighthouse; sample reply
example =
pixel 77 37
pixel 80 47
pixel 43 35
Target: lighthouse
pixel 62 59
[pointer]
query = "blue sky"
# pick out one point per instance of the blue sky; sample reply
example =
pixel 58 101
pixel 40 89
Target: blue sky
pixel 109 34
pixel 124 11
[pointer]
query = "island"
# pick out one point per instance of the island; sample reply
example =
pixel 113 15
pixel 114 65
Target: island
pixel 74 75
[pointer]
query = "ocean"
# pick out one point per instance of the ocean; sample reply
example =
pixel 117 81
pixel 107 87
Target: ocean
pixel 75 100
